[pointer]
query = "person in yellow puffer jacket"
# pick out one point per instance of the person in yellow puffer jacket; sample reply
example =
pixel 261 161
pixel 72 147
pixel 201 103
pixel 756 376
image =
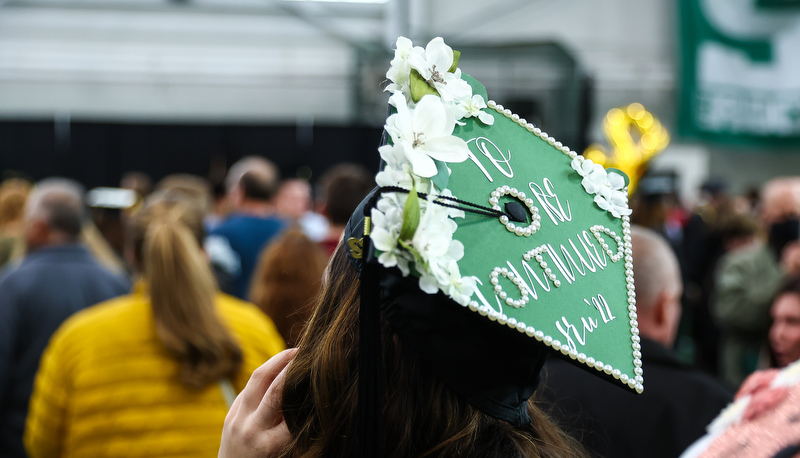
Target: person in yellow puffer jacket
pixel 152 373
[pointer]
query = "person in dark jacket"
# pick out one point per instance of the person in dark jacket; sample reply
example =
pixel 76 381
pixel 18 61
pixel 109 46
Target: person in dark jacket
pixel 678 402
pixel 234 245
pixel 56 278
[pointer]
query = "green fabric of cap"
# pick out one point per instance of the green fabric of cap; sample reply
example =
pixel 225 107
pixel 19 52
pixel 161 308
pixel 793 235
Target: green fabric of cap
pixel 590 316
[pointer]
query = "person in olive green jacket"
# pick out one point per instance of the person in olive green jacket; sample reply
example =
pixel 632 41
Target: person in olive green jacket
pixel 748 278
pixel 152 373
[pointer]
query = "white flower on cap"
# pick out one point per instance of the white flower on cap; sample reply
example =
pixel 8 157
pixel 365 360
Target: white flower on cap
pixel 388 220
pixel 399 72
pixel 434 66
pixel 606 186
pixel 433 242
pixel 398 169
pixel 472 107
pixel 459 288
pixel 422 134
pixel 425 133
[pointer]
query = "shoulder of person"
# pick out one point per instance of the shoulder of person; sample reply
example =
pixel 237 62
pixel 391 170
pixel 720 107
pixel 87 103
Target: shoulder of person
pixel 84 323
pixel 753 254
pixel 20 277
pixel 231 223
pixel 7 275
pixel 246 318
pixel 237 309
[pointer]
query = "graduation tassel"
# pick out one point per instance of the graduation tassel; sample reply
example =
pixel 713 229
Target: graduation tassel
pixel 370 360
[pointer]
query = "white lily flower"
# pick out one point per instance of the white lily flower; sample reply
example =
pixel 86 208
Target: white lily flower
pixel 422 134
pixel 593 174
pixel 459 288
pixel 434 65
pixel 425 134
pixel 387 219
pixel 399 72
pixel 615 202
pixel 397 171
pixel 447 274
pixel 434 243
pixel 462 289
pixel 606 186
pixel 435 231
pixel 399 68
pixel 615 180
pixel 428 283
pixel 472 108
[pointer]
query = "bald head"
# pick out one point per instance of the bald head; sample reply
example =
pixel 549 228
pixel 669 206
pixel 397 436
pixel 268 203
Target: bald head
pixel 54 213
pixel 658 285
pixel 655 267
pixel 780 199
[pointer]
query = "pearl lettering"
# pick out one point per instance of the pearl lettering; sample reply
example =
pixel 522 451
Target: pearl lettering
pixel 564 264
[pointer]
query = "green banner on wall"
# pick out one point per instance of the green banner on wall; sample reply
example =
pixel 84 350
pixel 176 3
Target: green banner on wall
pixel 740 79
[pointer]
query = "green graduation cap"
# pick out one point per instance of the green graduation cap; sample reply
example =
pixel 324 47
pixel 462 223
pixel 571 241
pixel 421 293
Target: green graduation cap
pixel 503 219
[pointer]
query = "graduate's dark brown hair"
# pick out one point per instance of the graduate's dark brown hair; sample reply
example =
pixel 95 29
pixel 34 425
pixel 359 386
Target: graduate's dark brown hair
pixel 421 416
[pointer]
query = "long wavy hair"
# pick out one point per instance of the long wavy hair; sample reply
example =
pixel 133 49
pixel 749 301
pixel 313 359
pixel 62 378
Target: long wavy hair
pixel 422 417
pixel 166 239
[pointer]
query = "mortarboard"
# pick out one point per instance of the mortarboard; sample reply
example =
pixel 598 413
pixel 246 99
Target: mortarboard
pixel 488 245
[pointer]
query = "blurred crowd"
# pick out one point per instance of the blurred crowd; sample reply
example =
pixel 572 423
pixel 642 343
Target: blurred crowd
pixel 140 311
pixel 147 306
pixel 737 254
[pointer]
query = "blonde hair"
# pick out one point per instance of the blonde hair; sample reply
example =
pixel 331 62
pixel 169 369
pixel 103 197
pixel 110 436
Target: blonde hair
pixel 166 238
pixel 192 186
pixel 93 239
pixel 13 195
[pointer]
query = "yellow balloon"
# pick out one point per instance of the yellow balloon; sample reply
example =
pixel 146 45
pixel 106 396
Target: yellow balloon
pixel 634 137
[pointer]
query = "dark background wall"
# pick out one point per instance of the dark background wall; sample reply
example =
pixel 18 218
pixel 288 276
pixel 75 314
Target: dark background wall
pixel 97 154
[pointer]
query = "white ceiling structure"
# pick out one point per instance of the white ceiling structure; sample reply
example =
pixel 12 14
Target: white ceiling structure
pixel 278 60
pixel 294 61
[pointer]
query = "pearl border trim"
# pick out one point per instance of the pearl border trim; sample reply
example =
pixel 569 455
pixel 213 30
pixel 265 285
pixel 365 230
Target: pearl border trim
pixel 624 249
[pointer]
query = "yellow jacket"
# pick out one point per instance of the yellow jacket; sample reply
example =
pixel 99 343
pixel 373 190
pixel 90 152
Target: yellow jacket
pixel 107 387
